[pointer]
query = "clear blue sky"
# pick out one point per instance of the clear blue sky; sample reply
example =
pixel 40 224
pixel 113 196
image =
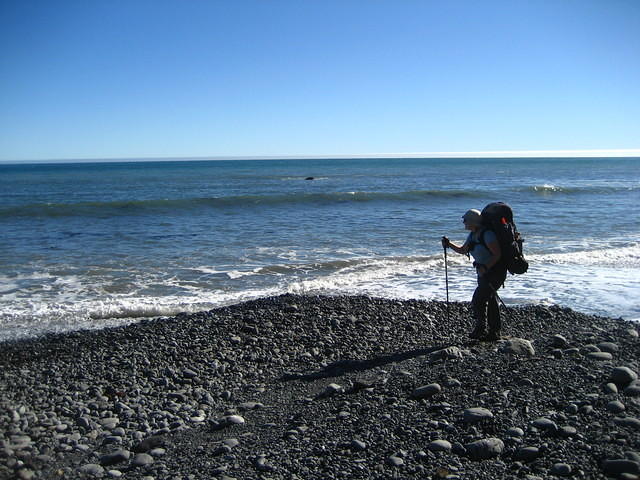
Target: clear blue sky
pixel 141 78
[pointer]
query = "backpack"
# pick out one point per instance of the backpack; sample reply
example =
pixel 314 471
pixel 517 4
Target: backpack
pixel 498 217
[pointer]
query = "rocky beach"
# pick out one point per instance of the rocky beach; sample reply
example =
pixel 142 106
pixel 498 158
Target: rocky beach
pixel 312 387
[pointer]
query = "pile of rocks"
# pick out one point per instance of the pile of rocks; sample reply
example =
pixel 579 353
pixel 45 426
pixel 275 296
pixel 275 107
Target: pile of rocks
pixel 316 387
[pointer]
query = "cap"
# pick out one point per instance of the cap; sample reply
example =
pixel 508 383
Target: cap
pixel 472 217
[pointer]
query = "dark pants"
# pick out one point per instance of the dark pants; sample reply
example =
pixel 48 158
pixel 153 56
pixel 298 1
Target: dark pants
pixel 485 301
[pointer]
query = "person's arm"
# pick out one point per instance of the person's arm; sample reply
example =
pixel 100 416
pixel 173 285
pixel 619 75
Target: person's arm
pixel 463 249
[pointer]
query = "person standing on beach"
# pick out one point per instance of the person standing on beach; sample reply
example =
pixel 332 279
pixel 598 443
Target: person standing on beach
pixel 483 245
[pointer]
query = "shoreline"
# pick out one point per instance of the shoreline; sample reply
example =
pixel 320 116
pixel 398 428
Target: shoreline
pixel 317 387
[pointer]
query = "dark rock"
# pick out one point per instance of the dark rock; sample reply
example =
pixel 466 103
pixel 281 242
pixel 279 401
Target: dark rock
pixel 485 449
pixel 527 454
pixel 426 391
pixel 620 466
pixel 622 376
pixel 475 415
pixel 600 356
pixel 616 406
pixel 439 446
pixel 629 422
pixel 114 458
pixel 142 460
pixel 149 444
pixel 561 469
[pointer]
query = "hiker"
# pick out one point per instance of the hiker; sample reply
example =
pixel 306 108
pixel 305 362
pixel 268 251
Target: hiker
pixel 483 245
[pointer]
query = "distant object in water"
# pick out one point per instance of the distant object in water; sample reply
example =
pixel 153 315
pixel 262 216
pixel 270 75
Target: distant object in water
pixel 310 178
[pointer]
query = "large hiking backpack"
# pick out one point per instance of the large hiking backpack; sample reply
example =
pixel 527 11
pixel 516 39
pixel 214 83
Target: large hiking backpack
pixel 498 217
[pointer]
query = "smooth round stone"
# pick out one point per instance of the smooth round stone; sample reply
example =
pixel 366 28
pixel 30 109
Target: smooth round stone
pixel 475 415
pixel 526 382
pixel 608 347
pixel 561 469
pixel 426 391
pixel 629 422
pixel 545 424
pixel 611 388
pixel 599 357
pixel 567 431
pixel 439 446
pixel 620 466
pixel 231 442
pixel 142 459
pixel 632 390
pixel 558 341
pixel 616 406
pixel 515 432
pixel 113 458
pixel 109 423
pixel 358 445
pixel 485 449
pixel 157 452
pixel 92 469
pixel 622 376
pixel 188 373
pixel 527 454
pixel 331 389
pixel 234 420
pixel 395 461
pixel 571 409
pixel 517 346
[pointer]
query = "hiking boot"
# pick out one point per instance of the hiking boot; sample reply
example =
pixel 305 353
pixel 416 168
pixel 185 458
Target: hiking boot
pixel 492 336
pixel 477 333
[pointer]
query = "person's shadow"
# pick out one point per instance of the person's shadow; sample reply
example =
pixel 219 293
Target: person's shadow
pixel 342 367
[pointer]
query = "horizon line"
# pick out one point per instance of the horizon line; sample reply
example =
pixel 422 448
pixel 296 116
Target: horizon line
pixel 592 153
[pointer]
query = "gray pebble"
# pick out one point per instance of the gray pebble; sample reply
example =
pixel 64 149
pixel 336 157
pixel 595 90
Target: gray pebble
pixel 91 469
pixel 608 347
pixel 620 466
pixel 630 422
pixel 633 390
pixel 477 414
pixel 485 449
pixel 545 424
pixel 622 376
pixel 616 406
pixel 113 458
pixel 610 388
pixel 558 341
pixel 426 391
pixel 142 459
pixel 600 356
pixel 515 432
pixel 261 464
pixel 330 390
pixel 358 445
pixel 527 454
pixel 561 469
pixel 439 446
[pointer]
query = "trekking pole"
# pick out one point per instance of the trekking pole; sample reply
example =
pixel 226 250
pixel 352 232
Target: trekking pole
pixel 495 292
pixel 446 278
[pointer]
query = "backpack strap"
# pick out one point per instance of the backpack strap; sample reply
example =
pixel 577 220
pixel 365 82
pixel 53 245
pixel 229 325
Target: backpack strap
pixel 480 240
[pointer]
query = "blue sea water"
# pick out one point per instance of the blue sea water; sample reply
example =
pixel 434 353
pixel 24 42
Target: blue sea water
pixel 90 245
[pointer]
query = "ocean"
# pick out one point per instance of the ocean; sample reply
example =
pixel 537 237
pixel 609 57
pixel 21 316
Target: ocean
pixel 92 245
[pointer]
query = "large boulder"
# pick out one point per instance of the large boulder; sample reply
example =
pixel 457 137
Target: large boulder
pixel 517 346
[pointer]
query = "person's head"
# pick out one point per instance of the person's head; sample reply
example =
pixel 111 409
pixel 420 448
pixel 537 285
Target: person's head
pixel 472 219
